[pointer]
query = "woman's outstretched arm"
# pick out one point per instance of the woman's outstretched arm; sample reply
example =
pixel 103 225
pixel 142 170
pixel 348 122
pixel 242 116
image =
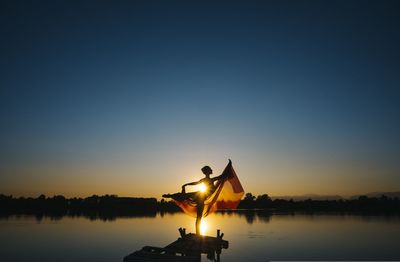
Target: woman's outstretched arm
pixel 220 177
pixel 223 175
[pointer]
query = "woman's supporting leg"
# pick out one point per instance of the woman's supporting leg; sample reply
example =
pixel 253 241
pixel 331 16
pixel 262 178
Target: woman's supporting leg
pixel 200 208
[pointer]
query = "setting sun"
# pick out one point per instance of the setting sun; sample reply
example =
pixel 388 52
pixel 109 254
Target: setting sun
pixel 202 187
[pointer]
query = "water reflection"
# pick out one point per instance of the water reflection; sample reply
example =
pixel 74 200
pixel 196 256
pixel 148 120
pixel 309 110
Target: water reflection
pixel 251 216
pixel 255 236
pixel 91 215
pixel 203 227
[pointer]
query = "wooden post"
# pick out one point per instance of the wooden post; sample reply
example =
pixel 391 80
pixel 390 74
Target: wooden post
pixel 182 232
pixel 219 234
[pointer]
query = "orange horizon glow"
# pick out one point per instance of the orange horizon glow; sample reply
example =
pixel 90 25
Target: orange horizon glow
pixel 145 180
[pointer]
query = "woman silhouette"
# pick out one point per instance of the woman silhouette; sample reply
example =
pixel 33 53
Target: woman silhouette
pixel 208 188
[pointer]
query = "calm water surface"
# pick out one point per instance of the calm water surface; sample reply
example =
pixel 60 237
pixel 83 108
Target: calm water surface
pixel 251 237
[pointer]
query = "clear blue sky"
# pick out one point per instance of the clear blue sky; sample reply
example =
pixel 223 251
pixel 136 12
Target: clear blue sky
pixel 134 97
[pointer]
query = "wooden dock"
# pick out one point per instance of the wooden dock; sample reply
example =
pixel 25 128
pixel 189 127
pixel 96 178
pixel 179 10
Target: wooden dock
pixel 188 247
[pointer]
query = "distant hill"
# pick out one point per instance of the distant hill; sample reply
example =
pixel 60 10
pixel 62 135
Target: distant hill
pixel 309 196
pixel 379 194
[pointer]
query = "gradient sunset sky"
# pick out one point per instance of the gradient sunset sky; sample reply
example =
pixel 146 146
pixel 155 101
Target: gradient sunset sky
pixel 134 97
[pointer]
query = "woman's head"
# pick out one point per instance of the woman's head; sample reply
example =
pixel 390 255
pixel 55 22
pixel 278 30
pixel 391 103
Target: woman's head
pixel 206 170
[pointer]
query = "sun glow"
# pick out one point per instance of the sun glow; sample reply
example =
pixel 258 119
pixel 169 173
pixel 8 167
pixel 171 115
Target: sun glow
pixel 202 187
pixel 203 227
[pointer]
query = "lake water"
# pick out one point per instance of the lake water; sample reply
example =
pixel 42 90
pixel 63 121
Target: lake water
pixel 251 237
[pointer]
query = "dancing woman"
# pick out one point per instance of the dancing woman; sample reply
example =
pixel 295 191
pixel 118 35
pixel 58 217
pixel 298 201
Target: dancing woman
pixel 209 187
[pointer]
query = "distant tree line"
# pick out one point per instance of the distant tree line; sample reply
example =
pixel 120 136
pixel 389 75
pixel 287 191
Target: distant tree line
pixel 360 204
pixel 109 207
pixel 94 207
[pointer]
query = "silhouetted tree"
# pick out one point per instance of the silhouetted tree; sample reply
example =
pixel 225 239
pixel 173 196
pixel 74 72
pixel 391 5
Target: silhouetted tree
pixel 263 201
pixel 109 206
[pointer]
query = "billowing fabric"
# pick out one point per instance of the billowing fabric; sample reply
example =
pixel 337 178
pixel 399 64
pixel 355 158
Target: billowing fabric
pixel 227 195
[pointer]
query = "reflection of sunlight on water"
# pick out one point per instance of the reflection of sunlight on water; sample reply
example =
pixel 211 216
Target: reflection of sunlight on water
pixel 203 227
